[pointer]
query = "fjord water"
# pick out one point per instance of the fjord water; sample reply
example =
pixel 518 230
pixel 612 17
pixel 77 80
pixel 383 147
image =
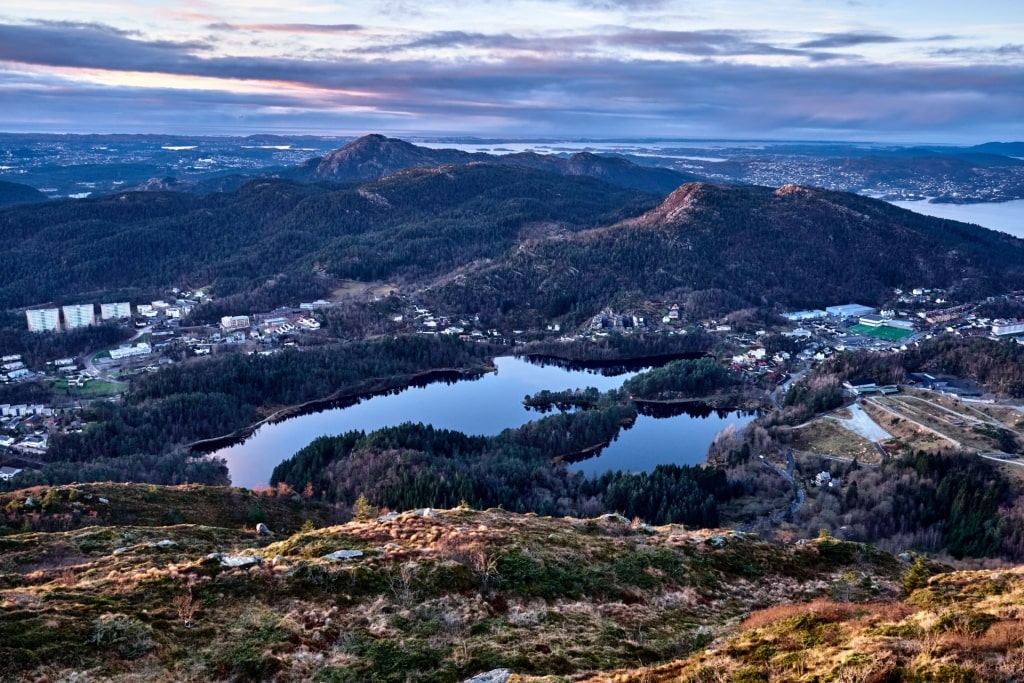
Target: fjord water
pixel 1005 217
pixel 483 406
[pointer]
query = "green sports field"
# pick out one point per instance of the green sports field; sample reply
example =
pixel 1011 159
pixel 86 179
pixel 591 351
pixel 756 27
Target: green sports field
pixel 883 332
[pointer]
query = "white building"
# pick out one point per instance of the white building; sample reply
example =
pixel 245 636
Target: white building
pixel 80 315
pixel 849 311
pixel 234 322
pixel 43 320
pixel 8 473
pixel 122 352
pixel 115 311
pixel 1004 327
pixel 872 320
pixel 797 316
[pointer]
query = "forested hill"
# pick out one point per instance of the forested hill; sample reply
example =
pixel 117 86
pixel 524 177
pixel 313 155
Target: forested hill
pixel 375 156
pixel 723 248
pixel 409 226
pixel 16 193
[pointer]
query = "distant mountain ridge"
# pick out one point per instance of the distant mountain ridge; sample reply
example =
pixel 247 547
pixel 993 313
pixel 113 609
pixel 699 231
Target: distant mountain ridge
pixel 375 156
pixel 12 194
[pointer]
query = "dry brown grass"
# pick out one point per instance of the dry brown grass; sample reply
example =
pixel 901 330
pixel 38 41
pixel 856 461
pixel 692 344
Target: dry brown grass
pixel 826 437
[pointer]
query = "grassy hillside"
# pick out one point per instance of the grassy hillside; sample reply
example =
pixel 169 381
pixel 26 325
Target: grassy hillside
pixel 431 596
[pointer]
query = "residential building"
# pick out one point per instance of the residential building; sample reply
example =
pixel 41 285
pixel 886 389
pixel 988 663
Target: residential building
pixel 115 311
pixel 1004 327
pixel 122 352
pixel 79 315
pixel 8 473
pixel 234 322
pixel 43 320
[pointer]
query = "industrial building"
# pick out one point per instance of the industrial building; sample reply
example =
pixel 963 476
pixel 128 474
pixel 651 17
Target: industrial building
pixel 849 311
pixel 79 315
pixel 797 316
pixel 115 311
pixel 43 320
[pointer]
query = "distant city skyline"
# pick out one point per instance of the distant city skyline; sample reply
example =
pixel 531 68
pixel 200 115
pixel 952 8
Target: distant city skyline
pixel 872 70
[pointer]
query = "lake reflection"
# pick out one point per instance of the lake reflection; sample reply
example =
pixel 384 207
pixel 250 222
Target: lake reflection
pixel 485 406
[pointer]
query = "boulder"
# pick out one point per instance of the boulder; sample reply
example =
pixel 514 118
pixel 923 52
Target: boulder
pixel 263 530
pixel 492 676
pixel 343 555
pixel 236 561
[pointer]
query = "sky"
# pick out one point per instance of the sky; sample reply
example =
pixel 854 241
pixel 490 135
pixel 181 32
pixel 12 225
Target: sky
pixel 934 71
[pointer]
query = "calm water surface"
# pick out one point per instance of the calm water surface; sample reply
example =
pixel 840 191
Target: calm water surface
pixel 1002 216
pixel 482 406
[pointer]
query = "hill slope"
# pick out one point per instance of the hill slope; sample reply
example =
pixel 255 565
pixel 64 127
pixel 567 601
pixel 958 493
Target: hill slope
pixel 12 194
pixel 424 596
pixel 414 224
pixel 376 156
pixel 721 248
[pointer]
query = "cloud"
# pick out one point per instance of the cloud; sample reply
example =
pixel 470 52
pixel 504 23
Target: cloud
pixel 851 39
pixel 628 5
pixel 1002 52
pixel 90 46
pixel 288 28
pixel 538 85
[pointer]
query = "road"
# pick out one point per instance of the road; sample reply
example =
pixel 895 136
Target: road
pixel 903 416
pixel 97 372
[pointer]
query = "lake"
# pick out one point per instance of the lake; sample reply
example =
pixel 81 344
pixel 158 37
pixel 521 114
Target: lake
pixel 1002 216
pixel 485 406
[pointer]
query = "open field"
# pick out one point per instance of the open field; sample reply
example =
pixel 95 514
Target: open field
pixel 883 332
pixel 826 437
pixel 911 435
pixel 92 388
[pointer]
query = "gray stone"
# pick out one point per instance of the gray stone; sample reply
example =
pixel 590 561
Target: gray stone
pixel 236 561
pixel 263 530
pixel 905 557
pixel 425 512
pixel 614 517
pixel 166 543
pixel 493 676
pixel 343 555
pixel 388 517
pixel 716 541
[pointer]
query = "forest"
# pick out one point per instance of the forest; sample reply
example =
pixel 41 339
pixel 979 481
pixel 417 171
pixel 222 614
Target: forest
pixel 529 246
pixel 188 402
pixel 416 224
pixel 414 465
pixel 717 250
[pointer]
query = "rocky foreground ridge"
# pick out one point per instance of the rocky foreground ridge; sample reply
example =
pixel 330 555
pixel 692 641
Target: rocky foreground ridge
pixel 449 595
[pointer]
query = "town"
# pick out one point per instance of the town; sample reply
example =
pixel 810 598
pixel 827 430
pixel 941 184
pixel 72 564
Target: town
pixel 160 333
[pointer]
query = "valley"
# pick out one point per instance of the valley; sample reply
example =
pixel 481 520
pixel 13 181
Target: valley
pixel 352 354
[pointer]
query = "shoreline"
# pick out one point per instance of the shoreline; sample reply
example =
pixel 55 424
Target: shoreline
pixel 349 396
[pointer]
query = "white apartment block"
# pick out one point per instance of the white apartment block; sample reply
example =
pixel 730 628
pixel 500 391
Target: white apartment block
pixel 80 315
pixel 234 322
pixel 43 320
pixel 115 311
